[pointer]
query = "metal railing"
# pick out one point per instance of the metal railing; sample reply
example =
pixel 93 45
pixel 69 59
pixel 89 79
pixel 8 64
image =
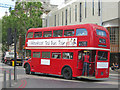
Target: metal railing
pixel 7 83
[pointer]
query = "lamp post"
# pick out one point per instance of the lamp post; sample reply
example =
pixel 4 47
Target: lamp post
pixel 100 12
pixel 15 56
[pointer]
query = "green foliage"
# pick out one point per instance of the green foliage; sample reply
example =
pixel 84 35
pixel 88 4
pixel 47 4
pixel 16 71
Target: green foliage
pixel 26 15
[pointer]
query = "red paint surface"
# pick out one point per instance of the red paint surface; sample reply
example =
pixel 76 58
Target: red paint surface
pixel 56 65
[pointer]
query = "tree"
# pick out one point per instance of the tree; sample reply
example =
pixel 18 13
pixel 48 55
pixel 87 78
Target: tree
pixel 26 15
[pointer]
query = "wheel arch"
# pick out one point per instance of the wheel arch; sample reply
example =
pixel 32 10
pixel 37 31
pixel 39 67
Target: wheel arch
pixel 26 64
pixel 64 67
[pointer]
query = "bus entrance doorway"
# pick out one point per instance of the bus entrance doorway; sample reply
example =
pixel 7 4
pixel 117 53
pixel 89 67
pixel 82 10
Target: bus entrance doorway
pixel 87 60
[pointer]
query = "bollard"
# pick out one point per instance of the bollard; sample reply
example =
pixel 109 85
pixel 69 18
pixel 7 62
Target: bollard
pixel 4 81
pixel 15 74
pixel 9 77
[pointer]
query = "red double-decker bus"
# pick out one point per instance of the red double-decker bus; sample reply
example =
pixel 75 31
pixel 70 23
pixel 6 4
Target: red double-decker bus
pixel 61 50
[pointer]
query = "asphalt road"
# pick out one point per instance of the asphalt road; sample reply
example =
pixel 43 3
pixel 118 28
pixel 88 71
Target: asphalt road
pixel 52 81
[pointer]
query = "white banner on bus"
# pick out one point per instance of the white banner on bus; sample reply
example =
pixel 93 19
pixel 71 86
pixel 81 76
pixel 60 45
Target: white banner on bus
pixel 102 64
pixel 45 61
pixel 53 42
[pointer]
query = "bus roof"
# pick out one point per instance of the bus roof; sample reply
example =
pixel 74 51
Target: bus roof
pixel 67 26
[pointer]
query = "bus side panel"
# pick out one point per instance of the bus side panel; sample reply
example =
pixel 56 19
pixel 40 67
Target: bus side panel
pixel 72 63
pixel 55 66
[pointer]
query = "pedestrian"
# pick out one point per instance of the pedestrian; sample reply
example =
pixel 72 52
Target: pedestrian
pixel 113 66
pixel 116 66
pixel 86 64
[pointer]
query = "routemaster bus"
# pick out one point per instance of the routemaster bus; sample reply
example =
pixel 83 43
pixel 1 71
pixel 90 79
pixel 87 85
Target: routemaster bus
pixel 60 50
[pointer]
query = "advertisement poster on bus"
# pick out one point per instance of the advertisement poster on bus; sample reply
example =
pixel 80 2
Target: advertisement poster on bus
pixel 53 42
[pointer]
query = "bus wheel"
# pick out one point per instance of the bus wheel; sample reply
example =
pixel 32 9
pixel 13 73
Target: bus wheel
pixel 67 73
pixel 27 69
pixel 32 73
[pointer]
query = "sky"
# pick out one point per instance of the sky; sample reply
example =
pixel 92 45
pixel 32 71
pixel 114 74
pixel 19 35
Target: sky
pixel 10 2
pixel 3 10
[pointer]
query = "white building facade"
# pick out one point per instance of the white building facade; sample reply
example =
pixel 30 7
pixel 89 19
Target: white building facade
pixel 100 12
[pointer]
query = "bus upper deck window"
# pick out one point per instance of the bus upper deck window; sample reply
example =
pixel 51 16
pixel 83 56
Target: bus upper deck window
pixel 37 34
pixel 69 32
pixel 30 35
pixel 81 32
pixel 47 34
pixel 101 32
pixel 57 33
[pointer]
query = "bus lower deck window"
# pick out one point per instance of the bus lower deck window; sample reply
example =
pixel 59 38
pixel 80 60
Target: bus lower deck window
pixel 67 55
pixel 45 54
pixel 36 54
pixel 56 55
pixel 102 55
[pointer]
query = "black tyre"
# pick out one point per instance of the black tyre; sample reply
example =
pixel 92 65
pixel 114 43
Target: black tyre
pixel 27 69
pixel 67 73
pixel 32 73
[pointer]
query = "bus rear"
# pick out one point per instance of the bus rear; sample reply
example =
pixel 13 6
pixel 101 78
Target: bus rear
pixel 102 57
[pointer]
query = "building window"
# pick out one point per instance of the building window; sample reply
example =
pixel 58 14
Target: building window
pixel 45 54
pixel 85 9
pixel 57 33
pixel 114 35
pixel 56 55
pixel 69 32
pixel 62 17
pixel 37 34
pixel 46 22
pixel 80 12
pixel 75 12
pixel 30 35
pixel 67 55
pixel 58 19
pixel 55 20
pixel 93 7
pixel 99 8
pixel 70 15
pixel 36 54
pixel 47 34
pixel 66 17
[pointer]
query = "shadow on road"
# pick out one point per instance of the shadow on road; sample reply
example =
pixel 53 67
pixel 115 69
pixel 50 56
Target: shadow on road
pixel 75 79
